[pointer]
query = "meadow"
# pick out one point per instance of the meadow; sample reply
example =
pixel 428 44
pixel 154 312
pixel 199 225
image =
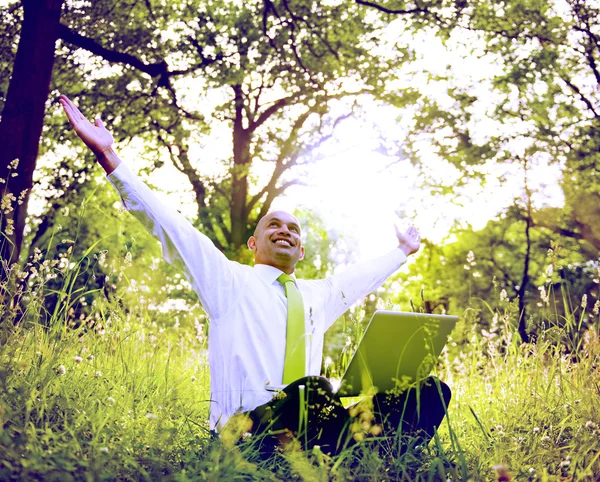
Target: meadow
pixel 121 397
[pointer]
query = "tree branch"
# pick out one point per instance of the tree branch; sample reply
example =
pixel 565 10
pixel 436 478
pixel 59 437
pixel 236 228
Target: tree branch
pixel 153 70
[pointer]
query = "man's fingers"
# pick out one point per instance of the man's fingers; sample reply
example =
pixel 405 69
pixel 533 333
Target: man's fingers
pixel 69 112
pixel 99 122
pixel 73 112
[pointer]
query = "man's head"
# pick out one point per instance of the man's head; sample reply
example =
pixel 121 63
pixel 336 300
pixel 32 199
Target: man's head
pixel 276 241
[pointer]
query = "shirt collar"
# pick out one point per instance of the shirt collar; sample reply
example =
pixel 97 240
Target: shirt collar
pixel 268 273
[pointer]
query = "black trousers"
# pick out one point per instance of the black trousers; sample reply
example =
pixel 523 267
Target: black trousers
pixel 309 411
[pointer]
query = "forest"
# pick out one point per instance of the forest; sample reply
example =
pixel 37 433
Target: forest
pixel 228 108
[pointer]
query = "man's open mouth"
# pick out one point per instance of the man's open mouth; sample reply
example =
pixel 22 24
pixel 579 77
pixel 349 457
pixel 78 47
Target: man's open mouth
pixel 283 242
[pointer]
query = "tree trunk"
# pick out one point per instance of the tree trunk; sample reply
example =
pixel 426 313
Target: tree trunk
pixel 22 121
pixel 239 176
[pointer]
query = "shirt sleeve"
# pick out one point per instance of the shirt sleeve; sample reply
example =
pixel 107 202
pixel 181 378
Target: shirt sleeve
pixel 357 281
pixel 208 270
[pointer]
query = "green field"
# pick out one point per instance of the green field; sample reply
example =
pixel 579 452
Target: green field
pixel 127 400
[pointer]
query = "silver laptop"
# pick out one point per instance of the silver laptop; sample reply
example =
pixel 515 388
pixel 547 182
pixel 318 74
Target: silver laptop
pixel 396 351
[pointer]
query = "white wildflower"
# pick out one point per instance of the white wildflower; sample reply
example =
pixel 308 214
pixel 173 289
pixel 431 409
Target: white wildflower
pixel 61 370
pixel 77 359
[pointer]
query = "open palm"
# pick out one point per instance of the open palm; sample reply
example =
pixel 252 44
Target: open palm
pixel 409 240
pixel 95 136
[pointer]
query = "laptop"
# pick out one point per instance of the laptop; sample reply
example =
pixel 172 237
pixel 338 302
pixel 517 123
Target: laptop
pixel 396 351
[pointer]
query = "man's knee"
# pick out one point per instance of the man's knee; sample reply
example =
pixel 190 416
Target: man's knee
pixel 435 388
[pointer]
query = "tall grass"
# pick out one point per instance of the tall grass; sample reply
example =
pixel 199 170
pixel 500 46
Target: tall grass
pixel 125 399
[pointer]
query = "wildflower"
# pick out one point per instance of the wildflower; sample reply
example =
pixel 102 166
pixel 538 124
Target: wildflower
pixel 77 359
pixel 543 295
pixel 531 470
pixel 471 258
pixel 503 295
pixel 565 463
pixel 536 429
pixel 549 271
pixel 22 195
pixel 90 358
pixel 193 378
pixel 110 400
pixel 5 204
pixel 10 227
pixel 61 370
pixel 128 259
pixel 596 309
pixel 503 474
pixel 13 164
pixel 589 424
pixel 98 374
pixel 104 450
pixel 584 301
pixel 150 416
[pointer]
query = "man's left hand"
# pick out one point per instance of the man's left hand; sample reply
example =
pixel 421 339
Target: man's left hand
pixel 409 241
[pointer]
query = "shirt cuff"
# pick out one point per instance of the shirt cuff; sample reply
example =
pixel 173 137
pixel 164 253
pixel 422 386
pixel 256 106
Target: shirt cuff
pixel 121 176
pixel 397 256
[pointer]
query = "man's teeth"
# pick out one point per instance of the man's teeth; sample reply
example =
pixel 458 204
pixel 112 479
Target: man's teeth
pixel 283 241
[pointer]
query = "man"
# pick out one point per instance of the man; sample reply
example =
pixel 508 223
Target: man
pixel 267 328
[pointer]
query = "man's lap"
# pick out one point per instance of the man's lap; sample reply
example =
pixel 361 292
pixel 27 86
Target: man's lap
pixel 310 411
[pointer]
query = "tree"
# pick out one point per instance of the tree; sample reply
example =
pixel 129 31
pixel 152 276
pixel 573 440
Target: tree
pixel 544 101
pixel 22 120
pixel 287 73
pixel 504 266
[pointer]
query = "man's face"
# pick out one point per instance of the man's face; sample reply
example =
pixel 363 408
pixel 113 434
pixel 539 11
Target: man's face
pixel 277 241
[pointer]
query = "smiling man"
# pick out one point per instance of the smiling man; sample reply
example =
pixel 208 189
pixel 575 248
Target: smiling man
pixel 277 241
pixel 266 326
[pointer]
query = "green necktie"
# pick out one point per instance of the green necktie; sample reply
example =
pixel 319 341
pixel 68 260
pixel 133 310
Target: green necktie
pixel 295 345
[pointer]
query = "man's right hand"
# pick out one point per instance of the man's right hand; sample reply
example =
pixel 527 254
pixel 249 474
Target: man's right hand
pixel 95 136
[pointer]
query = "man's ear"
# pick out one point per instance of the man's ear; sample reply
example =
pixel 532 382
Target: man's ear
pixel 301 254
pixel 252 243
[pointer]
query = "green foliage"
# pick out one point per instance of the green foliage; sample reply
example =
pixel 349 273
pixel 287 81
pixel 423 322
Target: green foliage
pixel 285 75
pixel 130 402
pixel 542 103
pixel 480 272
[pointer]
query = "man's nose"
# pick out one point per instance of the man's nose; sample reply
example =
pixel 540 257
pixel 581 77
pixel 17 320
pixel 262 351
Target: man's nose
pixel 284 230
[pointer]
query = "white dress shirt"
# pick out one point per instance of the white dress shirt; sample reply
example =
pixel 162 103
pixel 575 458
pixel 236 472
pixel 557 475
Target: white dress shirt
pixel 246 305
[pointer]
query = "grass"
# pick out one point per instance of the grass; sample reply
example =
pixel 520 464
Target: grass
pixel 126 399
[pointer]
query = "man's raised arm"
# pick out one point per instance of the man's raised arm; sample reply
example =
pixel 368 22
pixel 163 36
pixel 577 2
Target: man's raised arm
pixel 208 270
pixel 360 279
